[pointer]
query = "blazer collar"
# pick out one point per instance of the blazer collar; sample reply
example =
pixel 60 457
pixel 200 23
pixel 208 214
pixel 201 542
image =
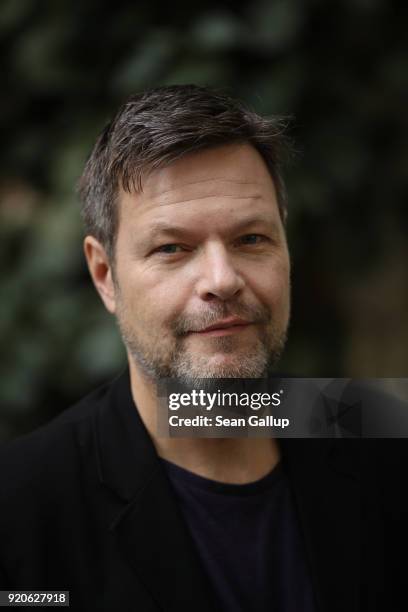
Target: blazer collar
pixel 149 527
pixel 126 457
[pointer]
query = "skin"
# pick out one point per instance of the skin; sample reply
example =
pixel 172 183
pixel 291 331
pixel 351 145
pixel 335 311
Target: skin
pixel 227 257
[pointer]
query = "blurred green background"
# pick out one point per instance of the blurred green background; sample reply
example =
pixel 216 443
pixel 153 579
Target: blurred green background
pixel 339 67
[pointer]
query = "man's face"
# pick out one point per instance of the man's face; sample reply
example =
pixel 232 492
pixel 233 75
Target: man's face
pixel 203 246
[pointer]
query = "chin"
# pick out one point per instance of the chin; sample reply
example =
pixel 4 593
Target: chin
pixel 223 366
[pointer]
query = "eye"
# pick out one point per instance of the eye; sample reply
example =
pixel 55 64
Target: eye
pixel 252 239
pixel 169 249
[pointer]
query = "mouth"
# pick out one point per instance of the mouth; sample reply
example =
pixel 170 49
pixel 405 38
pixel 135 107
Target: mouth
pixel 225 327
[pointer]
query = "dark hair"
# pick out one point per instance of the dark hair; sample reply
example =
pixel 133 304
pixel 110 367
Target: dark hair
pixel 156 127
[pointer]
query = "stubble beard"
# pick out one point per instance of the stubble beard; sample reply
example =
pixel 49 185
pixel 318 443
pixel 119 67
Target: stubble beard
pixel 161 357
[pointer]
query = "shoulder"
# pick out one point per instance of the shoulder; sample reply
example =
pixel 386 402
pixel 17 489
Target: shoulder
pixel 41 456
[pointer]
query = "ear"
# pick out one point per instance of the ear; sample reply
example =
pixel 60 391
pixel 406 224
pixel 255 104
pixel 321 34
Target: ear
pixel 101 271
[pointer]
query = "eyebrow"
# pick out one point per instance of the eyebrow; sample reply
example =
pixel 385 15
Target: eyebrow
pixel 177 231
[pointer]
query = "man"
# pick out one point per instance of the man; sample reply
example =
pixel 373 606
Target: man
pixel 184 207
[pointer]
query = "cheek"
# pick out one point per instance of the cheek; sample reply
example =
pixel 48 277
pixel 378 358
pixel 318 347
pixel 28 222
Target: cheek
pixel 273 282
pixel 153 301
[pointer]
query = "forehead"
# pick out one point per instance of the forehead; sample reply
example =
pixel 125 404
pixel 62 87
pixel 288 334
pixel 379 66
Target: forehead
pixel 225 182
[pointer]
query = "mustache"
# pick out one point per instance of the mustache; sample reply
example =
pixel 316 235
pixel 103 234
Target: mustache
pixel 188 322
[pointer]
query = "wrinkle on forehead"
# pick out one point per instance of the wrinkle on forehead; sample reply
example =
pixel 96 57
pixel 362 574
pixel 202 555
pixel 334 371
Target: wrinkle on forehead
pixel 150 190
pixel 201 190
pixel 218 187
pixel 205 197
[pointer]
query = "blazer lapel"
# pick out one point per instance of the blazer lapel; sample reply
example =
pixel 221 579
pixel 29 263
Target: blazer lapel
pixel 154 539
pixel 150 529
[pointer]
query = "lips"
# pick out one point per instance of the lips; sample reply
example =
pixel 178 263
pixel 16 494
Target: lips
pixel 224 325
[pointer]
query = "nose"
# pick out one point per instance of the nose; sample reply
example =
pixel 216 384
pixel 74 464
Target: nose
pixel 218 275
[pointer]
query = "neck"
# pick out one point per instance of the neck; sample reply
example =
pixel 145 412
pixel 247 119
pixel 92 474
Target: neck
pixel 229 460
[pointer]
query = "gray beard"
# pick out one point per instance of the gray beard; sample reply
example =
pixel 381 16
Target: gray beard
pixel 181 364
pixel 178 362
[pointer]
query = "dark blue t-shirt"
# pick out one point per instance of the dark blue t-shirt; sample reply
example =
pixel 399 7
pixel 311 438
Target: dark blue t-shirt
pixel 248 539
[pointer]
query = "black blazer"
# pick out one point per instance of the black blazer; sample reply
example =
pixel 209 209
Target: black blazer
pixel 86 506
